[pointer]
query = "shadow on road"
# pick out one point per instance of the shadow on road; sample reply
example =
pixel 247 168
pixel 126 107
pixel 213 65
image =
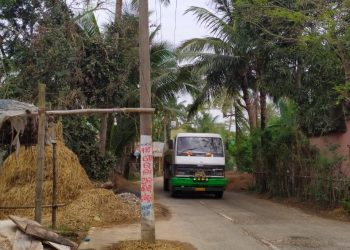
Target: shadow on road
pixel 193 195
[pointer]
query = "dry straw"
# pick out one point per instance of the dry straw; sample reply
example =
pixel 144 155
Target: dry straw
pixel 17 178
pixel 96 207
pixel 86 206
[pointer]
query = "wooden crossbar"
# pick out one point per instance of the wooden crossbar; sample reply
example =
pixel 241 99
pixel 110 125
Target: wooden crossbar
pixel 96 111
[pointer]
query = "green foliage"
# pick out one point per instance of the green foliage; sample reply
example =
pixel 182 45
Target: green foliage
pixel 242 152
pixel 346 205
pixel 80 136
pixel 205 123
pixel 101 166
pixel 291 166
pixel 328 162
pixel 46 53
pixel 228 140
pixel 343 92
pixel 123 134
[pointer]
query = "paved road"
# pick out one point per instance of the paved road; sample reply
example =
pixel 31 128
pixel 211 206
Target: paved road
pixel 238 221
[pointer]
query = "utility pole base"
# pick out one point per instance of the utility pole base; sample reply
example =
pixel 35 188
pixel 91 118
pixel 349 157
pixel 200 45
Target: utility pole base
pixel 148 231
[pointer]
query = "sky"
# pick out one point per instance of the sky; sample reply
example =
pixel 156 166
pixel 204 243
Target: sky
pixel 172 18
pixel 176 26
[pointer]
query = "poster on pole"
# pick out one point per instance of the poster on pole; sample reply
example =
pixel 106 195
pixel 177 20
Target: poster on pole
pixel 158 149
pixel 147 207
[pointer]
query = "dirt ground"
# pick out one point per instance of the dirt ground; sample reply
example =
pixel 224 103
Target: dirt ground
pixel 312 208
pixel 237 221
pixel 159 245
pixel 244 181
pixel 239 181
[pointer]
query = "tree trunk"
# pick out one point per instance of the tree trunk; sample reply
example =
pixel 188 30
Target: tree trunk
pixel 230 121
pixel 125 162
pixel 299 73
pixel 256 105
pixel 238 136
pixel 118 11
pixel 238 117
pixel 346 64
pixel 248 103
pixel 103 134
pixel 165 132
pixel 263 114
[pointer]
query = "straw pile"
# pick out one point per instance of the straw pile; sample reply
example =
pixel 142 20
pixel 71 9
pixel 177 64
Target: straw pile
pixel 85 205
pixel 5 244
pixel 17 178
pixel 96 207
pixel 101 207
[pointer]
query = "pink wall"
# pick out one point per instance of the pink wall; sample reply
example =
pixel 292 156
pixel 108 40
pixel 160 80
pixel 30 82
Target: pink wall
pixel 340 139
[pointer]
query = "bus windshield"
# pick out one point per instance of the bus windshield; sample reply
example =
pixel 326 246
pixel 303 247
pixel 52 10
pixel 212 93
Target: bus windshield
pixel 200 146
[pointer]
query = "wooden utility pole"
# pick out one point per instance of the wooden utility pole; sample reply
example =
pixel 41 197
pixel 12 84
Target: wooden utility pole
pixel 147 195
pixel 40 154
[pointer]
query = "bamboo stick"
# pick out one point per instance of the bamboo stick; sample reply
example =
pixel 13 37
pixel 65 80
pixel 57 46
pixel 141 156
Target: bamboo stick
pixel 54 184
pixel 30 207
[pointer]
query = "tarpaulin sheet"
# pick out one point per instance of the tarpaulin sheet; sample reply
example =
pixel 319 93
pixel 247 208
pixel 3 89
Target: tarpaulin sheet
pixel 11 109
pixel 16 112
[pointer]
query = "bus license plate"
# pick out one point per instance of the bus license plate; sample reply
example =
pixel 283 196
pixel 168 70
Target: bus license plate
pixel 199 189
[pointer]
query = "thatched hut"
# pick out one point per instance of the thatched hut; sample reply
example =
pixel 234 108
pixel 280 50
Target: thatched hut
pixel 17 123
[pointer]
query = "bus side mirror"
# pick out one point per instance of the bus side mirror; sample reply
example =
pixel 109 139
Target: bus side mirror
pixel 170 144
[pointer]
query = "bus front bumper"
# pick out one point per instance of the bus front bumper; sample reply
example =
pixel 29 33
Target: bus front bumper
pixel 189 184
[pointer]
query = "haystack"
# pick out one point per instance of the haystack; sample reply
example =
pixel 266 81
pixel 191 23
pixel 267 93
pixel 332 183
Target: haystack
pixel 86 206
pixel 17 178
pixel 96 207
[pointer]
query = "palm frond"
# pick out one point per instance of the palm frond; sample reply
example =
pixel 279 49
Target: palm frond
pixel 214 23
pixel 210 44
pixel 162 57
pixel 88 23
pixel 154 33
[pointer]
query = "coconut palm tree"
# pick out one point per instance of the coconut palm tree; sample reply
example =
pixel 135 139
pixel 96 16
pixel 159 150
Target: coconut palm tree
pixel 224 58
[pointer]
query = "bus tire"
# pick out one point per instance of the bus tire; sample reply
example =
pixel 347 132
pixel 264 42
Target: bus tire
pixel 165 184
pixel 173 192
pixel 219 194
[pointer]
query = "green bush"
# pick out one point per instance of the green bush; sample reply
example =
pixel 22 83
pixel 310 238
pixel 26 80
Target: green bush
pixel 80 136
pixel 242 152
pixel 346 205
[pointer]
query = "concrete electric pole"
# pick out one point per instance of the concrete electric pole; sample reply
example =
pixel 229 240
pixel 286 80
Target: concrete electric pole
pixel 147 193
